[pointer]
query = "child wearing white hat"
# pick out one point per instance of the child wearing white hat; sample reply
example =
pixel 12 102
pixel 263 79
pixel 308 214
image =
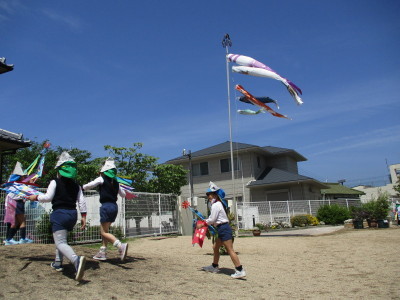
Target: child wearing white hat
pixel 219 219
pixel 15 211
pixel 109 191
pixel 64 194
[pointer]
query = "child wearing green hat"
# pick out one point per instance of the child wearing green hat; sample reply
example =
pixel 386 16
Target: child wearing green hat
pixel 109 189
pixel 64 193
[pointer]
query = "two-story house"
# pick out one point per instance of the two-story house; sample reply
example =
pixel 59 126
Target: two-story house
pixel 261 173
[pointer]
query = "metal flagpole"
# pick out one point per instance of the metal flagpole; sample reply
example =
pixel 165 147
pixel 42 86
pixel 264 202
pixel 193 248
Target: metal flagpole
pixel 226 43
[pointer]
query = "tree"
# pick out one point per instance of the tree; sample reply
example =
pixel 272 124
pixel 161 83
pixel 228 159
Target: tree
pixel 168 179
pixel 397 187
pixel 87 169
pixel 133 165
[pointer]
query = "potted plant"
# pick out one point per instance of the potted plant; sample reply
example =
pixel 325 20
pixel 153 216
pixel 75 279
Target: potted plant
pixel 370 213
pixel 377 211
pixel 258 228
pixel 358 214
pixel 382 208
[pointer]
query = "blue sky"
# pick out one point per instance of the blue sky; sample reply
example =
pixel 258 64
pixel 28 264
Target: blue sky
pixel 94 73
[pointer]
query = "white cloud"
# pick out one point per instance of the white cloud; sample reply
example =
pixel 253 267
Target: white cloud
pixel 9 8
pixel 379 137
pixel 70 21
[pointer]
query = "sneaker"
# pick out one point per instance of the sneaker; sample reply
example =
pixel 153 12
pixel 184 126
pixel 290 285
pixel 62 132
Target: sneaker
pixel 101 255
pixel 81 268
pixel 10 242
pixel 25 241
pixel 239 274
pixel 210 269
pixel 123 251
pixel 57 265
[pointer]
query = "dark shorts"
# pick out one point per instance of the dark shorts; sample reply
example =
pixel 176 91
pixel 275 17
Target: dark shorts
pixel 63 219
pixel 20 209
pixel 224 232
pixel 108 212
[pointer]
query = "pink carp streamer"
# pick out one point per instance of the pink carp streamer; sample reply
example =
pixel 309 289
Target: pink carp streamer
pixel 250 66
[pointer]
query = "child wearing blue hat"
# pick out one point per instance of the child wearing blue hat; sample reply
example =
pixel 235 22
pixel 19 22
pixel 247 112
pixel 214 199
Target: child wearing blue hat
pixel 219 219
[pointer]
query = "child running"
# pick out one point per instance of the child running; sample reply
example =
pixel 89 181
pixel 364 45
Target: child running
pixel 64 193
pixel 219 219
pixel 15 212
pixel 109 189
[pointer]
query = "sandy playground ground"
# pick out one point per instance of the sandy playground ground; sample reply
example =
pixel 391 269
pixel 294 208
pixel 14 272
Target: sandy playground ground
pixel 347 264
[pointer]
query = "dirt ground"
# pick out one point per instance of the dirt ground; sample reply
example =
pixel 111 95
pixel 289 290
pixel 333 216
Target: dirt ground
pixel 347 264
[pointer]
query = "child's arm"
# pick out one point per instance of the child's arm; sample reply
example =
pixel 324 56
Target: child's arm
pixel 51 190
pixel 98 181
pixel 82 208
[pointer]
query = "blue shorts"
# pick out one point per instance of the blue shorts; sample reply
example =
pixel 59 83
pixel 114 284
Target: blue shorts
pixel 20 209
pixel 63 219
pixel 108 212
pixel 224 232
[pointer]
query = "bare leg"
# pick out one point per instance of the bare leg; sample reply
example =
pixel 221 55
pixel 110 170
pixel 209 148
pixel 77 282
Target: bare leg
pixel 105 235
pixel 216 246
pixel 229 248
pixel 20 224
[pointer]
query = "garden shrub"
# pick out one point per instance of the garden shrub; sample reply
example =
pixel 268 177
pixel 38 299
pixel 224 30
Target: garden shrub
pixel 303 220
pixel 312 220
pixel 43 230
pixel 299 221
pixel 260 226
pixel 333 214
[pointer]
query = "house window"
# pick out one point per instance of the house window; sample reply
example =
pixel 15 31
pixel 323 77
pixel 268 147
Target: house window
pixel 225 165
pixel 200 169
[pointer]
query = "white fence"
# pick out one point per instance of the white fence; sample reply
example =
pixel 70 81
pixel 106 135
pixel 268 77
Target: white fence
pixel 267 212
pixel 146 214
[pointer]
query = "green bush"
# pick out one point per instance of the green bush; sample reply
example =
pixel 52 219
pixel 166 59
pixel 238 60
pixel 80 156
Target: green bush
pixel 260 226
pixel 43 230
pixel 333 214
pixel 358 213
pixel 299 221
pixel 303 220
pixel 377 209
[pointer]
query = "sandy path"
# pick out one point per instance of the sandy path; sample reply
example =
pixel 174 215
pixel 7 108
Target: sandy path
pixel 348 264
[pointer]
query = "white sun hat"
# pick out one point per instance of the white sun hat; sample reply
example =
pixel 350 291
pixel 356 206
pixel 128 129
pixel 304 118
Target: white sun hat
pixel 18 169
pixel 64 157
pixel 108 165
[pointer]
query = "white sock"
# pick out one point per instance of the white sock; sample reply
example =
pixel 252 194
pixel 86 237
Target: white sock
pixel 103 249
pixel 117 243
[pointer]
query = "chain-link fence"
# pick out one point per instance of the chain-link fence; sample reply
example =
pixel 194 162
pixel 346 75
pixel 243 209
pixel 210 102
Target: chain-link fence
pixel 146 214
pixel 268 212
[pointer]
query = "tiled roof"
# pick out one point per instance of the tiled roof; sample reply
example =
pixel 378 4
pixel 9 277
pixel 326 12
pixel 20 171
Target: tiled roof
pixel 4 67
pixel 337 189
pixel 275 176
pixel 220 148
pixel 225 147
pixel 11 141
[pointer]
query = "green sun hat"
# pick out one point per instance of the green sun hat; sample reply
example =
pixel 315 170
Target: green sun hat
pixel 112 173
pixel 109 169
pixel 68 169
pixel 66 165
